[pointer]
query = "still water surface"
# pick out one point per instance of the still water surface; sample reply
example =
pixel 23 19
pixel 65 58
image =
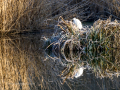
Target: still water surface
pixel 24 65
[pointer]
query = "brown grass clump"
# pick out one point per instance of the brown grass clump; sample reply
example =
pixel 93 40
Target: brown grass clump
pixel 107 32
pixel 23 14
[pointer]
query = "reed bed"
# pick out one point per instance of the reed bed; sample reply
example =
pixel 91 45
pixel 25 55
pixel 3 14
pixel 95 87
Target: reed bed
pixel 23 14
pixel 21 66
pixel 104 34
pixel 40 14
pixel 103 9
pixel 26 14
pixel 99 42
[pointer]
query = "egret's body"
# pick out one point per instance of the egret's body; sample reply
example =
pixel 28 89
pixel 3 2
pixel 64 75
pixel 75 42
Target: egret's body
pixel 78 23
pixel 79 72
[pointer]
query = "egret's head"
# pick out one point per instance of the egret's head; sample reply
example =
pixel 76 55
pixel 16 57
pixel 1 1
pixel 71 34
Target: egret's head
pixel 73 19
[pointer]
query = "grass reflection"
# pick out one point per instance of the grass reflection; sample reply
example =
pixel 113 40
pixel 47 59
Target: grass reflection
pixel 24 67
pixel 103 64
pixel 13 66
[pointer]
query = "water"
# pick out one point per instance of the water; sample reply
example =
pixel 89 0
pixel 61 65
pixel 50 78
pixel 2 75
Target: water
pixel 25 65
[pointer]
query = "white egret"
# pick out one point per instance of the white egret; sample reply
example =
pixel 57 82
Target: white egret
pixel 79 72
pixel 78 23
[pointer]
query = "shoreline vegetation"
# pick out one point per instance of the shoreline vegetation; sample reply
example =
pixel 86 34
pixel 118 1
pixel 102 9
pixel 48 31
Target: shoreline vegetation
pixel 26 16
pixel 30 15
pixel 24 65
pixel 94 48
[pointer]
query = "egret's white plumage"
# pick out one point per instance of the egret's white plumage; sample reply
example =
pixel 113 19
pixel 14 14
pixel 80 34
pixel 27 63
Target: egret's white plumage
pixel 78 23
pixel 79 72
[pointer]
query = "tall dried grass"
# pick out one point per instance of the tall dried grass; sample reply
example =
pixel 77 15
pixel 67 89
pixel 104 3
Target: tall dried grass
pixel 104 8
pixel 36 14
pixel 30 14
pixel 23 14
pixel 26 14
pixel 97 9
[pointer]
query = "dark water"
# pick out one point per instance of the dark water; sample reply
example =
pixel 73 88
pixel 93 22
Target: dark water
pixel 24 65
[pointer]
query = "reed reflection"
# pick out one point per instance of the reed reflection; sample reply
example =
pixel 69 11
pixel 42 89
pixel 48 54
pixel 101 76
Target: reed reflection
pixel 23 65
